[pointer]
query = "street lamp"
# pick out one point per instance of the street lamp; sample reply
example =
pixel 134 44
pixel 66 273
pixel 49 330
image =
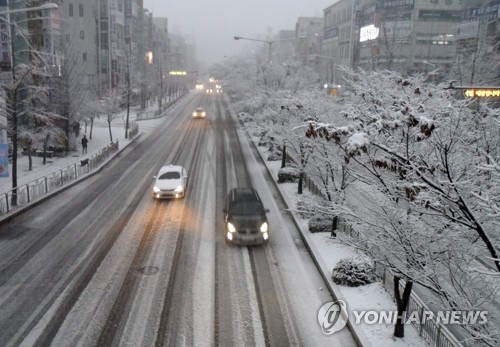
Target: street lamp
pixel 269 43
pixel 13 111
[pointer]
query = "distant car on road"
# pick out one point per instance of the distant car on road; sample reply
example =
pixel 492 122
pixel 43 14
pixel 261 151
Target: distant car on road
pixel 170 182
pixel 199 113
pixel 245 217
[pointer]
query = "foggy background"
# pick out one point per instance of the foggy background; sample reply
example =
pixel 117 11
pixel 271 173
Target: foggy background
pixel 211 24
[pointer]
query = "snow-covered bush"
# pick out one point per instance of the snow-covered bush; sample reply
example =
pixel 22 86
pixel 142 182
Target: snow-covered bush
pixel 305 205
pixel 353 272
pixel 274 156
pixel 266 140
pixel 245 117
pixel 320 223
pixel 288 174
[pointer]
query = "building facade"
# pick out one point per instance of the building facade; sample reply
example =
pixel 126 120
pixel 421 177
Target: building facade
pixel 79 32
pixel 402 35
pixel 339 39
pixel 478 43
pixel 309 32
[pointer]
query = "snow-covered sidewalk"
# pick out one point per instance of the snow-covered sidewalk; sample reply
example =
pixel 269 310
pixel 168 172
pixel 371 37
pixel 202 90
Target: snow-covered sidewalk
pixel 371 297
pixel 99 140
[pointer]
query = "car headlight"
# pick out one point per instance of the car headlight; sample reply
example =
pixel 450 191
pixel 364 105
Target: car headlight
pixel 264 227
pixel 156 189
pixel 194 114
pixel 203 114
pixel 231 228
pixel 179 189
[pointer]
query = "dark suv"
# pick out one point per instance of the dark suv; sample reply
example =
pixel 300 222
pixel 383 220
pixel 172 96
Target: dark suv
pixel 245 217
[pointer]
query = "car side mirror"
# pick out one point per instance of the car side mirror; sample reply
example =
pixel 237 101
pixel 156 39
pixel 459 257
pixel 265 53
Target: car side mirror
pixel 154 177
pixel 224 210
pixel 266 210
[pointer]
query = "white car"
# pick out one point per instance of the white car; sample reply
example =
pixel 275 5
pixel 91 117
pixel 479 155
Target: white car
pixel 171 182
pixel 199 113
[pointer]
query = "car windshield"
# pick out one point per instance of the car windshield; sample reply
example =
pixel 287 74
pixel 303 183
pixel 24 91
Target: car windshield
pixel 199 110
pixel 246 208
pixel 171 175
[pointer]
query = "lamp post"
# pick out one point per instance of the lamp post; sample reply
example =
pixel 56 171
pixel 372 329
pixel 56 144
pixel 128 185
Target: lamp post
pixel 268 42
pixel 13 111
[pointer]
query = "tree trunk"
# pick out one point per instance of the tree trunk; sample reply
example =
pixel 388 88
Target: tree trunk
pixel 91 127
pixel 301 180
pixel 110 134
pixel 401 304
pixel 30 158
pixel 283 156
pixel 45 143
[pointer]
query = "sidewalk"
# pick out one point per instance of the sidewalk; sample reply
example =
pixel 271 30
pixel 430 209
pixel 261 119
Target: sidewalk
pixel 100 139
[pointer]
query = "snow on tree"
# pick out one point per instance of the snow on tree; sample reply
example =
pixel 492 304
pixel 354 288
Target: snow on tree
pixel 419 154
pixel 70 93
pixel 111 107
pixel 28 112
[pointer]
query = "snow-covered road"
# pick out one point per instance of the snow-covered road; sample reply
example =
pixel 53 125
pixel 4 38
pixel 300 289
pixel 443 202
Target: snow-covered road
pixel 102 263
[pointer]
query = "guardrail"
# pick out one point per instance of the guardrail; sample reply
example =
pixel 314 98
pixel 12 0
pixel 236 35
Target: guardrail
pixel 434 333
pixel 24 194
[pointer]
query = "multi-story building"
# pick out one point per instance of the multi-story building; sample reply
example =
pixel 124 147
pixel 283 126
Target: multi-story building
pixel 111 43
pixel 309 31
pixel 79 32
pixel 478 43
pixel 134 34
pixel 339 39
pixel 283 48
pixel 401 35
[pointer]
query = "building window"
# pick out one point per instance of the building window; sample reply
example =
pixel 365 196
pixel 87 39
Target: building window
pixel 71 10
pixel 80 10
pixel 82 35
pixel 84 57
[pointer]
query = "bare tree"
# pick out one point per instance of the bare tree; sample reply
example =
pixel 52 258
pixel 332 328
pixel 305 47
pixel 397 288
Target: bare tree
pixel 70 92
pixel 111 107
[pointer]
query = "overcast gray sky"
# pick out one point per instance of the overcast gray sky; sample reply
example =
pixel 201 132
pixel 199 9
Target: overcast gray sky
pixel 213 23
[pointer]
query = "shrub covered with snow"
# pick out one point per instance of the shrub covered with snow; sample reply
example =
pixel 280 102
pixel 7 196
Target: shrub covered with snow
pixel 305 205
pixel 353 272
pixel 288 174
pixel 266 140
pixel 274 156
pixel 245 117
pixel 320 223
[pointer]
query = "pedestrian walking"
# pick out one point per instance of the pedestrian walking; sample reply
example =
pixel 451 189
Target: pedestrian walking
pixel 84 144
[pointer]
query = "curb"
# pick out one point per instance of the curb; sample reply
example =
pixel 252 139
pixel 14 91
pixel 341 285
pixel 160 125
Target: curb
pixel 17 212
